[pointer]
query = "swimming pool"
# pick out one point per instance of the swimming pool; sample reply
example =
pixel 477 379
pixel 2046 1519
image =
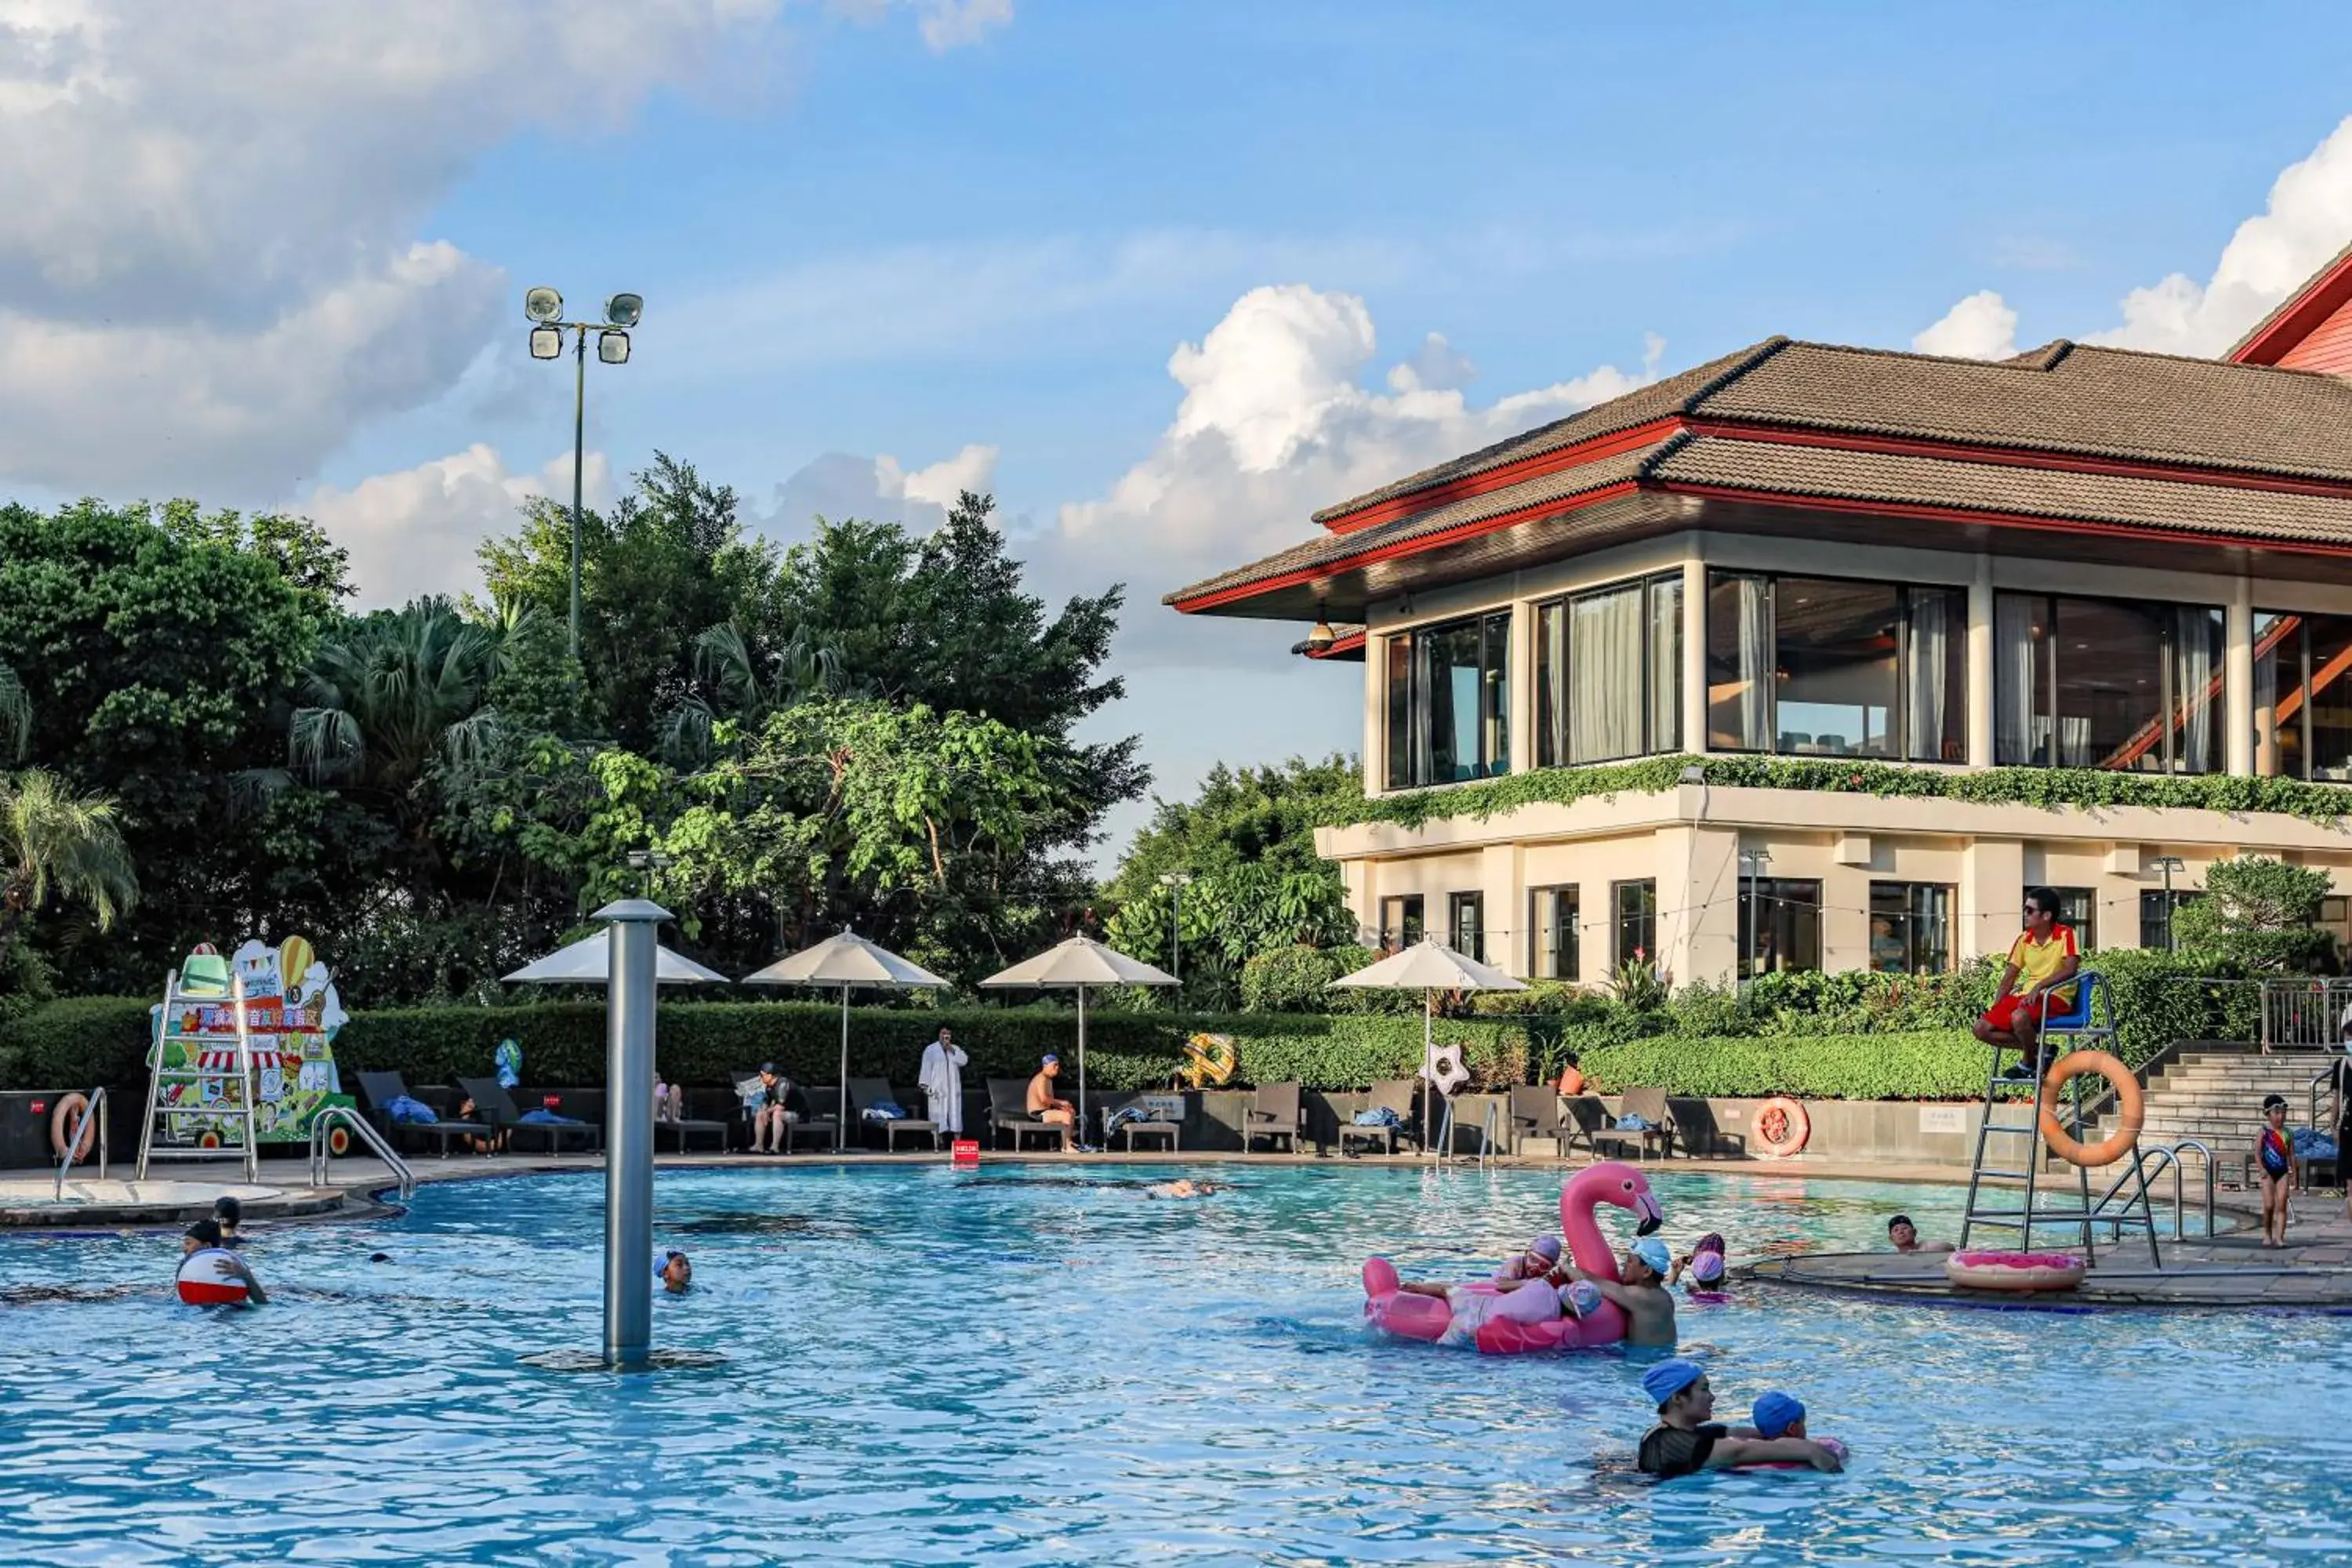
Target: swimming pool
pixel 1033 1365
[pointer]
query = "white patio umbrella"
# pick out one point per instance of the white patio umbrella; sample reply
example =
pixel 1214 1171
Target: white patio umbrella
pixel 1081 961
pixel 1429 966
pixel 846 959
pixel 589 962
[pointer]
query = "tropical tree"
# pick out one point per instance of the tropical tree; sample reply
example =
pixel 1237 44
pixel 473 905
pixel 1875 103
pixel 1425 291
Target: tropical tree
pixel 55 842
pixel 391 694
pixel 16 713
pixel 2260 911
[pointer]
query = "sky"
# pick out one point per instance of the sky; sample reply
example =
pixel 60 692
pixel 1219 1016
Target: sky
pixel 1164 278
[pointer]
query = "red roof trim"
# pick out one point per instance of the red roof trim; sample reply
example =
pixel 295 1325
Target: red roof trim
pixel 1574 455
pixel 2001 519
pixel 1404 547
pixel 2015 458
pixel 2297 318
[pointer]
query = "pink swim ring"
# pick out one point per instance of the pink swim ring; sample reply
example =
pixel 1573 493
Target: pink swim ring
pixel 1979 1270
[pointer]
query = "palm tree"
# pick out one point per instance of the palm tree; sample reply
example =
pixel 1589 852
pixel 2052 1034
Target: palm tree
pixel 725 666
pixel 391 693
pixel 52 840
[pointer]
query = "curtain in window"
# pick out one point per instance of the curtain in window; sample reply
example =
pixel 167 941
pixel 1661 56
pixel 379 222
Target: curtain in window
pixel 2017 698
pixel 1740 662
pixel 1604 676
pixel 1665 665
pixel 2199 693
pixel 1925 695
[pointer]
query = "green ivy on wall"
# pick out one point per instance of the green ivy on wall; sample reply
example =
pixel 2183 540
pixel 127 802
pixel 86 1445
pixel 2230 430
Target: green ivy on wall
pixel 2049 787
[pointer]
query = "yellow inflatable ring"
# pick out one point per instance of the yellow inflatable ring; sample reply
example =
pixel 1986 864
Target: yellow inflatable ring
pixel 1210 1060
pixel 2130 1109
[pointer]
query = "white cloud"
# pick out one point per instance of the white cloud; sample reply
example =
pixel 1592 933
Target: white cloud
pixel 951 24
pixel 416 531
pixel 1979 327
pixel 1275 422
pixel 972 469
pixel 2307 219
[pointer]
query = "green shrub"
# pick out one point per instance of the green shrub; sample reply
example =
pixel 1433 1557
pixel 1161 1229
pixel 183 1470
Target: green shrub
pixel 1296 979
pixel 1934 1064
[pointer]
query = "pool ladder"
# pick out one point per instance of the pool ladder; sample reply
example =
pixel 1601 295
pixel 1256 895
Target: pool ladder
pixel 1444 1149
pixel 322 1132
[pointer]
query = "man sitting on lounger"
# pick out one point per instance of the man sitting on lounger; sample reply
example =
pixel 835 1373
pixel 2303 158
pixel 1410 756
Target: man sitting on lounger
pixel 781 1103
pixel 1043 1104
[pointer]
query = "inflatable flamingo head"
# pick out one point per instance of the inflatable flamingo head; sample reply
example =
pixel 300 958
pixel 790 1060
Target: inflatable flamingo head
pixel 1611 1181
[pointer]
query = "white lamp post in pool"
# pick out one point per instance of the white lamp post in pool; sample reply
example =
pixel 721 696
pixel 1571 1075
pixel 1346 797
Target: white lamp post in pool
pixel 626 960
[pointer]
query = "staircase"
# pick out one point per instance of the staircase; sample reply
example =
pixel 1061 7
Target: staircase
pixel 2214 1094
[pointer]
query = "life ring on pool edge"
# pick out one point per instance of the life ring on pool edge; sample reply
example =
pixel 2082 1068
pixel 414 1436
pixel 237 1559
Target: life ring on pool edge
pixel 339 1140
pixel 1781 1127
pixel 69 1109
pixel 2130 1109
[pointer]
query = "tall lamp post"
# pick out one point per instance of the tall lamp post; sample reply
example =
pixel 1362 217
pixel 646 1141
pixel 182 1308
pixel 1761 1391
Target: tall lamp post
pixel 1176 883
pixel 544 310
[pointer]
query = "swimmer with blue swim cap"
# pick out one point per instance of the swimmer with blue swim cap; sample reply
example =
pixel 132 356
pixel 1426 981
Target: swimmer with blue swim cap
pixel 1685 1442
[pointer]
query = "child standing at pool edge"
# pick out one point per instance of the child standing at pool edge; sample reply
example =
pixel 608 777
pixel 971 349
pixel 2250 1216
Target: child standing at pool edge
pixel 2275 1153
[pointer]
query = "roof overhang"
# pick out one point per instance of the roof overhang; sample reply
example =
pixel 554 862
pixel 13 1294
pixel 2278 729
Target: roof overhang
pixel 2294 319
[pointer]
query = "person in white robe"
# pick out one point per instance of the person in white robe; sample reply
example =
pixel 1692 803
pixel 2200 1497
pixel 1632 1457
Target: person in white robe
pixel 941 1081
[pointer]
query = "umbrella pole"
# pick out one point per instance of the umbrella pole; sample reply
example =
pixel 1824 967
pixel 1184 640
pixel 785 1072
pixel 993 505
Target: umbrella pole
pixel 1428 1048
pixel 840 1115
pixel 1082 1067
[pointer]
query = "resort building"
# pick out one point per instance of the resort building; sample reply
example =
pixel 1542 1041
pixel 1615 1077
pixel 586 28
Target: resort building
pixel 1902 637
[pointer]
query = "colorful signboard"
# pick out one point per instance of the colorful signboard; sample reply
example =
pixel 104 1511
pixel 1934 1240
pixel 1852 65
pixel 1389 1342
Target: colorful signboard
pixel 291 1014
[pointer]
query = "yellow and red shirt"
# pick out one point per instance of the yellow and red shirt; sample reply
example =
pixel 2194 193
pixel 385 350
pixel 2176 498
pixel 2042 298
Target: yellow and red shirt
pixel 2036 962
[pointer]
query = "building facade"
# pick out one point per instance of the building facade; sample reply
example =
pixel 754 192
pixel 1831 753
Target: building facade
pixel 2115 586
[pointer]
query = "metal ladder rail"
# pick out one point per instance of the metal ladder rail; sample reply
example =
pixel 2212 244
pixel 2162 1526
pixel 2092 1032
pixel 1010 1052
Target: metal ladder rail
pixel 324 1122
pixel 244 1114
pixel 1486 1136
pixel 80 1129
pixel 2024 1219
pixel 2187 1143
pixel 1444 1152
pixel 2141 1159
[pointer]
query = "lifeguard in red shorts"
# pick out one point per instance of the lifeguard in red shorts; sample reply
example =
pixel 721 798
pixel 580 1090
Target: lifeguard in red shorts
pixel 2046 957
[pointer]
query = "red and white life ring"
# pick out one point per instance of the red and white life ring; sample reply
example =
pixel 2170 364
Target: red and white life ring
pixel 2014 1270
pixel 1781 1128
pixel 205 1281
pixel 69 1110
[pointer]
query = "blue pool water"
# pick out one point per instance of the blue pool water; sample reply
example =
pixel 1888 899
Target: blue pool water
pixel 1032 1364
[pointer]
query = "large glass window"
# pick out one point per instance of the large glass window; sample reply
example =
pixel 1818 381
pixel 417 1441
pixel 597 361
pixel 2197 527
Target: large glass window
pixel 2302 695
pixel 1465 918
pixel 1827 666
pixel 1609 673
pixel 1400 920
pixel 1779 925
pixel 2156 908
pixel 1552 916
pixel 1450 702
pixel 1636 923
pixel 1910 927
pixel 2103 683
pixel 2078 908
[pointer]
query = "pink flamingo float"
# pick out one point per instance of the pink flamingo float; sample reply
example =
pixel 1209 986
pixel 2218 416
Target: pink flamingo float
pixel 1416 1317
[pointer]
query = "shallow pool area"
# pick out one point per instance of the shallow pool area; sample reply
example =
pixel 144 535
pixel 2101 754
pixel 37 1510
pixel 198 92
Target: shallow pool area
pixel 1034 1365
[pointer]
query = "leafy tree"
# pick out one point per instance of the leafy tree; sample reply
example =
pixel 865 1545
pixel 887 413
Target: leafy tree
pixel 2261 911
pixel 1242 816
pixel 55 841
pixel 16 713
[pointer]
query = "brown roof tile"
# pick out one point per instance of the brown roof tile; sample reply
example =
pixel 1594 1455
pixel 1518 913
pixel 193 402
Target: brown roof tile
pixel 1674 394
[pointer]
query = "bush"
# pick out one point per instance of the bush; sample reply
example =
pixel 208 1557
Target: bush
pixel 1297 979
pixel 1928 1065
pixel 2262 913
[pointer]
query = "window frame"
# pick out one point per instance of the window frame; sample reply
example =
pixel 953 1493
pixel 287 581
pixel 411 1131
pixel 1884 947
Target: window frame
pixel 2087 900
pixel 1549 743
pixel 1544 956
pixel 1619 951
pixel 1911 945
pixel 1475 902
pixel 2306 728
pixel 1899 712
pixel 1761 889
pixel 1407 710
pixel 2046 681
pixel 1404 921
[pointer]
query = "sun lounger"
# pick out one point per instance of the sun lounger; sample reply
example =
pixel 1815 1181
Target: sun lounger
pixel 817 1128
pixel 1599 1134
pixel 1274 1112
pixel 494 1105
pixel 1008 1111
pixel 1694 1125
pixel 1650 1105
pixel 1389 1094
pixel 865 1091
pixel 383 1087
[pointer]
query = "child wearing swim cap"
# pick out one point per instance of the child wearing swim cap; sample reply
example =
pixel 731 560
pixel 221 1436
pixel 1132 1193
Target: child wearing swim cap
pixel 1541 1257
pixel 2275 1151
pixel 1780 1415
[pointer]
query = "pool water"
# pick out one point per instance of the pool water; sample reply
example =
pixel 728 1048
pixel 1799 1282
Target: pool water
pixel 1034 1365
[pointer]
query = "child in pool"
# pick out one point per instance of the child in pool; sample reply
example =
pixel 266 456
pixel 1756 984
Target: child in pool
pixel 2275 1152
pixel 1778 1414
pixel 1703 1262
pixel 1536 1302
pixel 1541 1257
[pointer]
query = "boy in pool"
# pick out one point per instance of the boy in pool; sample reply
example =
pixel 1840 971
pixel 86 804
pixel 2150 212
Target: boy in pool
pixel 1903 1237
pixel 2275 1153
pixel 1780 1415
pixel 204 1235
pixel 1182 1187
pixel 1685 1442
pixel 1639 1291
pixel 676 1274
pixel 229 1214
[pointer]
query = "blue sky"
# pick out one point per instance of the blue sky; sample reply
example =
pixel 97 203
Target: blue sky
pixel 974 234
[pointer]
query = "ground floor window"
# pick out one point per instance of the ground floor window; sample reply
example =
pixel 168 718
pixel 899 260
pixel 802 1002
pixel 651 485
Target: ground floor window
pixel 1779 925
pixel 1910 927
pixel 1636 924
pixel 1552 915
pixel 1400 921
pixel 2156 907
pixel 2078 908
pixel 1465 916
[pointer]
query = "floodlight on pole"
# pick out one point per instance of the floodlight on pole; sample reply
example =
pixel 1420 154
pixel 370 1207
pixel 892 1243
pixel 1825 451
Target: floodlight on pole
pixel 543 308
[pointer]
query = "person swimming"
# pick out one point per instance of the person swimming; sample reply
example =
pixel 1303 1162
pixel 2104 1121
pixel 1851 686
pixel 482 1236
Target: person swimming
pixel 1540 1258
pixel 229 1214
pixel 675 1272
pixel 1639 1291
pixel 211 1275
pixel 1531 1301
pixel 1778 1414
pixel 1182 1187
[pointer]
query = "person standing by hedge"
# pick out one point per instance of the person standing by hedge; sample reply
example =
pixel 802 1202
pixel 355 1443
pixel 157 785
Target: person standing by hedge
pixel 941 1082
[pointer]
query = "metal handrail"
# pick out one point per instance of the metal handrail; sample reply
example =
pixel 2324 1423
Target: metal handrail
pixel 322 1123
pixel 66 1160
pixel 2322 1077
pixel 1486 1135
pixel 2184 1144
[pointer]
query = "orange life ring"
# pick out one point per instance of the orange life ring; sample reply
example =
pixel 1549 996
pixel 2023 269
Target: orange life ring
pixel 61 1124
pixel 1781 1127
pixel 2130 1109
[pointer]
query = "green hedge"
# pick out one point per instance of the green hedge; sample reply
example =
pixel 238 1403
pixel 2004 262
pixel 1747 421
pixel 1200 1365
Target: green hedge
pixel 1943 1064
pixel 2009 786
pixel 102 1040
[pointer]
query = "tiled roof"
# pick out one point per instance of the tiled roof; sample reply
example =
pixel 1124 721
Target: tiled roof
pixel 1334 549
pixel 1833 474
pixel 1674 394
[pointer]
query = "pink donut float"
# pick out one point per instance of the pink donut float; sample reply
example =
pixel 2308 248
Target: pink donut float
pixel 205 1281
pixel 1414 1317
pixel 2014 1270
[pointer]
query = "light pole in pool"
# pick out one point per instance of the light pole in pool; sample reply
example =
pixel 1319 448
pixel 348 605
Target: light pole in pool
pixel 629 1131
